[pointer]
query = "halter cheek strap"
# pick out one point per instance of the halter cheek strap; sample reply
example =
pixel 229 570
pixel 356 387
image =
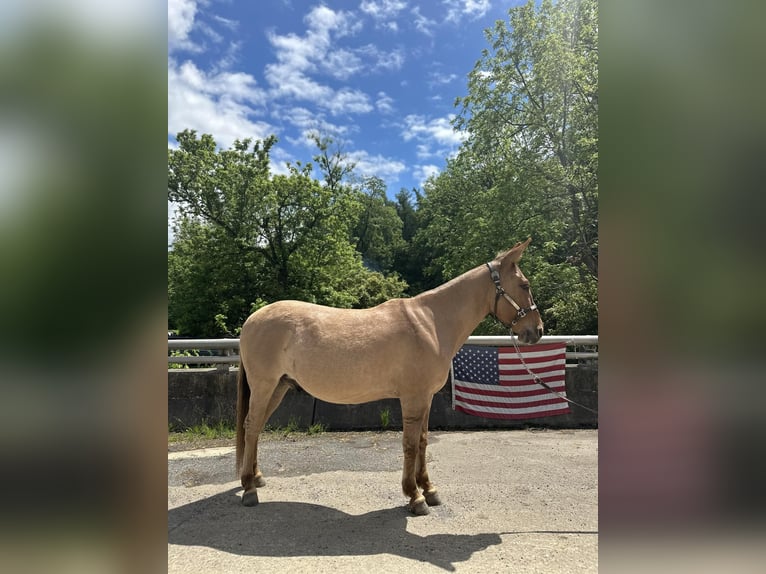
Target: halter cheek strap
pixel 521 312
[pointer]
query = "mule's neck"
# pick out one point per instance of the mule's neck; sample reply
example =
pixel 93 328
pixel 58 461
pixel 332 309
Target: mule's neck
pixel 458 306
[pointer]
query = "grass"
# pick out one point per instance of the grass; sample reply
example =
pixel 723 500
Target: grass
pixel 385 418
pixel 202 431
pixel 222 430
pixel 317 428
pixel 293 427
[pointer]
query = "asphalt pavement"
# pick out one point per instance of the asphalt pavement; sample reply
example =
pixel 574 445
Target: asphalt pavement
pixel 522 501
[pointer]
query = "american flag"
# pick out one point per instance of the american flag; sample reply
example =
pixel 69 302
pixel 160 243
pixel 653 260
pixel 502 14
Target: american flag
pixel 491 381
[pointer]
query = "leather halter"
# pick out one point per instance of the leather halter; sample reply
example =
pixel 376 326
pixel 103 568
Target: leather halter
pixel 521 312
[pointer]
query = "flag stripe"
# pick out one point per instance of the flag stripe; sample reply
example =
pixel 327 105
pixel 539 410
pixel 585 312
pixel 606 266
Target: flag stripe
pixel 492 382
pixel 504 359
pixel 534 349
pixel 547 399
pixel 519 374
pixel 517 414
pixel 467 388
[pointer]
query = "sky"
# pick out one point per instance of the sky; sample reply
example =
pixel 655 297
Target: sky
pixel 378 76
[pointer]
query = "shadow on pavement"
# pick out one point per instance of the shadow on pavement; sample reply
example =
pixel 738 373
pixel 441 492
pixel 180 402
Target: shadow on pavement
pixel 301 529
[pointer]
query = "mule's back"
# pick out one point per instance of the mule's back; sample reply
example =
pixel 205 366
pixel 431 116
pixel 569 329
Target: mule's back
pixel 338 355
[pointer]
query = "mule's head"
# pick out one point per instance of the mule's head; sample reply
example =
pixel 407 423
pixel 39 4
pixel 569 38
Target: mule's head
pixel 515 307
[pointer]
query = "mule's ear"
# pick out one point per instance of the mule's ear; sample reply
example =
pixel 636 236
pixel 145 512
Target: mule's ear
pixel 516 251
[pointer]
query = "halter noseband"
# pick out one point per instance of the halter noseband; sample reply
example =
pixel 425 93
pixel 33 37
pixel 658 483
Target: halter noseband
pixel 521 312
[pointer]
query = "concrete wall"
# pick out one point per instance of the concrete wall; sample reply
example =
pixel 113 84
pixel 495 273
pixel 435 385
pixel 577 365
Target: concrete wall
pixel 210 395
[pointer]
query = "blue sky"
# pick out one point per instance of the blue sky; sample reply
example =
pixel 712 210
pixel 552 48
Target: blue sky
pixel 379 76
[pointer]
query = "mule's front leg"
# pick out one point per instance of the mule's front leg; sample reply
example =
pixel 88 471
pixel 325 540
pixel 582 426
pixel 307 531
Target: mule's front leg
pixel 411 444
pixel 421 474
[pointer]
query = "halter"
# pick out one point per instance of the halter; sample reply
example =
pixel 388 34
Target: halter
pixel 521 312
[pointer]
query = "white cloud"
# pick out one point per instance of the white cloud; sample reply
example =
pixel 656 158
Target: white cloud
pixel 300 58
pixel 440 79
pixel 323 21
pixel 232 25
pixel 382 9
pixel 384 103
pixel 368 165
pixel 341 63
pixel 423 172
pixel 390 61
pixel 423 24
pixel 309 122
pixel 347 101
pixel 435 137
pixel 180 22
pixel 219 104
pixel 473 9
pixel 314 52
pixel 384 12
pixel 296 52
pixel 438 130
pixel 286 81
pixel 279 160
pixel 380 60
pixel 424 151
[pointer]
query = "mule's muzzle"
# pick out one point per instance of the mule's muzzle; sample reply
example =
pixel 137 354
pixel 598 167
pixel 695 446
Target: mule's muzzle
pixel 531 335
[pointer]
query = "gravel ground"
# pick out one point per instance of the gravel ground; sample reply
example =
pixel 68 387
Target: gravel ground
pixel 513 501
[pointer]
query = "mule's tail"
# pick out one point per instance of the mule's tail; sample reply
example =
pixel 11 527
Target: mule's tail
pixel 243 402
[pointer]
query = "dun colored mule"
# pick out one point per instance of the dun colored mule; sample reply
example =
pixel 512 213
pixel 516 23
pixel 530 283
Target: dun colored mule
pixel 400 349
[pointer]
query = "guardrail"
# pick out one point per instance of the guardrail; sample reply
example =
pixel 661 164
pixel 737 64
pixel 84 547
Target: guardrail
pixel 230 347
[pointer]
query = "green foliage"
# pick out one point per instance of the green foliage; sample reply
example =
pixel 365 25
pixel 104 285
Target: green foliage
pixel 209 276
pixel 529 164
pixel 246 236
pixel 202 431
pixel 532 116
pixel 292 426
pixel 317 428
pixel 528 167
pixel 378 230
pixel 385 418
pixel 411 258
pixel 182 353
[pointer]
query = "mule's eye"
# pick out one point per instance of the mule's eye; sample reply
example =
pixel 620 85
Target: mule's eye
pixel 525 286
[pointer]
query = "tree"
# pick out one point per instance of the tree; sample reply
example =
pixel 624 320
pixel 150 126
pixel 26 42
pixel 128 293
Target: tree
pixel 334 165
pixel 246 236
pixel 378 230
pixel 409 258
pixel 209 276
pixel 529 164
pixel 532 109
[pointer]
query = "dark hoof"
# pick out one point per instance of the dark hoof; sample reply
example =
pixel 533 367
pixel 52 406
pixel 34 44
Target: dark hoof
pixel 432 498
pixel 419 507
pixel 250 498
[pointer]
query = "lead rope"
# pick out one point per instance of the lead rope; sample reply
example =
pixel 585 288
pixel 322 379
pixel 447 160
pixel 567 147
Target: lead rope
pixel 540 382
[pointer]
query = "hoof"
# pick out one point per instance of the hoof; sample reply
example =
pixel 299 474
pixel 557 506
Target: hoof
pixel 250 498
pixel 259 481
pixel 432 498
pixel 419 507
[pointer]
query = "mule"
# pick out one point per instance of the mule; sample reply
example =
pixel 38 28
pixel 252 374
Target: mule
pixel 399 349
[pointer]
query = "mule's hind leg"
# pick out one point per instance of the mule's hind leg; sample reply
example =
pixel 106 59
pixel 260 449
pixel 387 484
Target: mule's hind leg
pixel 421 471
pixel 274 402
pixel 260 409
pixel 413 417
